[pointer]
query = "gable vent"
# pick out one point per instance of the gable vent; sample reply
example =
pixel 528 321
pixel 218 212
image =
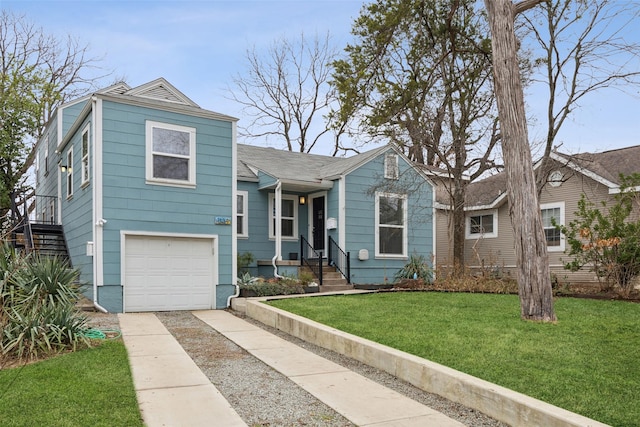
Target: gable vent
pixel 161 93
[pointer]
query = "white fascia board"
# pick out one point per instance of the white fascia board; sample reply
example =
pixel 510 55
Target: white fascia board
pixel 584 171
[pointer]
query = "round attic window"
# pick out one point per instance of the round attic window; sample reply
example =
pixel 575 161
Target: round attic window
pixel 555 178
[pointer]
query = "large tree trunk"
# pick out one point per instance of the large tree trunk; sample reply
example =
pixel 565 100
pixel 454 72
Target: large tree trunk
pixel 534 280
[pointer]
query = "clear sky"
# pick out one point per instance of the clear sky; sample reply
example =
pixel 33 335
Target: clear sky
pixel 199 45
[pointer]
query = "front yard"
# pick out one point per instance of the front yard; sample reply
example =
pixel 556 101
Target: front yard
pixel 91 387
pixel 586 363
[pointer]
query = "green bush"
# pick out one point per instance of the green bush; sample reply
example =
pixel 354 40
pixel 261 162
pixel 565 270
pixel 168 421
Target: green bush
pixel 37 302
pixel 416 268
pixel 607 241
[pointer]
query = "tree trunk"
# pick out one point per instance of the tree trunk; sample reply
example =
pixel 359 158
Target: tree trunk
pixel 534 280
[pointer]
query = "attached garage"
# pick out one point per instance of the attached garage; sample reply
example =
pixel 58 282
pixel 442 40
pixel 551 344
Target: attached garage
pixel 168 272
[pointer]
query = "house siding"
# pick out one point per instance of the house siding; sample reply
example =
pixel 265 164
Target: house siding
pixel 361 185
pixel 498 255
pixel 77 219
pixel 131 204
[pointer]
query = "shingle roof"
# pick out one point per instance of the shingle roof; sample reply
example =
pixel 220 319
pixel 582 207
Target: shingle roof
pixel 296 166
pixel 605 166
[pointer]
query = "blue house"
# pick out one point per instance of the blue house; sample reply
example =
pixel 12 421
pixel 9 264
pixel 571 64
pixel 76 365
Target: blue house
pixel 153 199
pixel 376 206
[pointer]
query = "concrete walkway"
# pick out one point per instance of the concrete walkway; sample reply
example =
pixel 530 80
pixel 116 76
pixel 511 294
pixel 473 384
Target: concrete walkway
pixel 172 391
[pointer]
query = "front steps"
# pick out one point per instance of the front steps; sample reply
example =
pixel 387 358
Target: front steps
pixel 332 279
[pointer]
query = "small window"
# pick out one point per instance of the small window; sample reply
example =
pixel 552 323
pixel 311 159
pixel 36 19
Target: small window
pixel 85 155
pixel 482 225
pixel 288 217
pixel 391 166
pixel 242 223
pixel 171 154
pixel 69 171
pixel 553 212
pixel 391 225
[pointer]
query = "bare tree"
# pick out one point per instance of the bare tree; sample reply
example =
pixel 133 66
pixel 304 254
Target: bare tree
pixel 38 73
pixel 584 51
pixel 534 279
pixel 285 92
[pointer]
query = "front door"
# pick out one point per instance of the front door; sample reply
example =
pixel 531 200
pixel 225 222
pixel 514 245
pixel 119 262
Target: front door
pixel 318 223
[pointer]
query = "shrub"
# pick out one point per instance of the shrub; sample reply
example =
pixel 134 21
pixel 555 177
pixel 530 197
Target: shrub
pixel 607 241
pixel 38 299
pixel 416 268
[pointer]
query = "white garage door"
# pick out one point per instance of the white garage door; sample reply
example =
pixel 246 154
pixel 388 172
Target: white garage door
pixel 163 273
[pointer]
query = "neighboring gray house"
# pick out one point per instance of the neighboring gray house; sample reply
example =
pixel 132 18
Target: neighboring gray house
pixel 489 235
pixel 152 199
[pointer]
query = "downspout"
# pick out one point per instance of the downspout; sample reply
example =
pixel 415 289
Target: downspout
pixel 234 208
pixel 277 206
pixel 97 221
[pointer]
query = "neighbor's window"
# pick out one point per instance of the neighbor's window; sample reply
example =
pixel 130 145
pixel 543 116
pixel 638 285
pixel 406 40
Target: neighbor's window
pixel 171 154
pixel 553 212
pixel 69 173
pixel 483 224
pixel 242 226
pixel 391 166
pixel 46 159
pixel 391 225
pixel 85 155
pixel 288 216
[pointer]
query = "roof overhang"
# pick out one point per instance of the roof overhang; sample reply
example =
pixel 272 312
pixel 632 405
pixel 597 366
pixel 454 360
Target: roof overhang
pixel 299 186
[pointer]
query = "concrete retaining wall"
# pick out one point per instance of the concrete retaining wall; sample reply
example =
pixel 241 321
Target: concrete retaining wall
pixel 505 405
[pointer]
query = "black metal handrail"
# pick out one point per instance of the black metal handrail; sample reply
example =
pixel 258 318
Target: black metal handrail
pixel 339 259
pixel 37 209
pixel 314 263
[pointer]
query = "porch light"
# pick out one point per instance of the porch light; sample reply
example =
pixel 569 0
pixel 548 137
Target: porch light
pixel 302 200
pixel 65 168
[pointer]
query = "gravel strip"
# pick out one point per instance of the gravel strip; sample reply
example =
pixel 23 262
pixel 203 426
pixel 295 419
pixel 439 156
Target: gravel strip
pixel 265 398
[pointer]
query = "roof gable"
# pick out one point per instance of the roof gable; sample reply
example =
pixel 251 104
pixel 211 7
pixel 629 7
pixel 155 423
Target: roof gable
pixel 160 90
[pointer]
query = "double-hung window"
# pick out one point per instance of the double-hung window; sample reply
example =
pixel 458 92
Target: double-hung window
pixel 482 225
pixel 288 217
pixel 553 213
pixel 391 225
pixel 85 156
pixel 171 154
pixel 242 223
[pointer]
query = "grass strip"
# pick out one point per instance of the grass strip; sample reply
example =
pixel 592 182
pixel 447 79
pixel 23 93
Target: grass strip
pixel 586 363
pixel 92 387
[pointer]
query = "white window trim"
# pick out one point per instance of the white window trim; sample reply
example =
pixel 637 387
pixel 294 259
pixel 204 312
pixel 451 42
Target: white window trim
pixel 245 214
pixel 555 205
pixel 391 170
pixel 150 179
pixel 467 228
pixel 37 166
pixel 85 157
pixel 272 234
pixel 70 173
pixel 405 227
pixel 46 157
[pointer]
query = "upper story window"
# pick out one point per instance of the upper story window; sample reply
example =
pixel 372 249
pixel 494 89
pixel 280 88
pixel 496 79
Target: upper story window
pixel 288 217
pixel 46 159
pixel 242 219
pixel 37 166
pixel 391 166
pixel 85 155
pixel 482 224
pixel 391 225
pixel 69 171
pixel 171 154
pixel 553 212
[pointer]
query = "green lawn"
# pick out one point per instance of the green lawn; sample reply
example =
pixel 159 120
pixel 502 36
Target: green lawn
pixel 589 362
pixel 91 387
